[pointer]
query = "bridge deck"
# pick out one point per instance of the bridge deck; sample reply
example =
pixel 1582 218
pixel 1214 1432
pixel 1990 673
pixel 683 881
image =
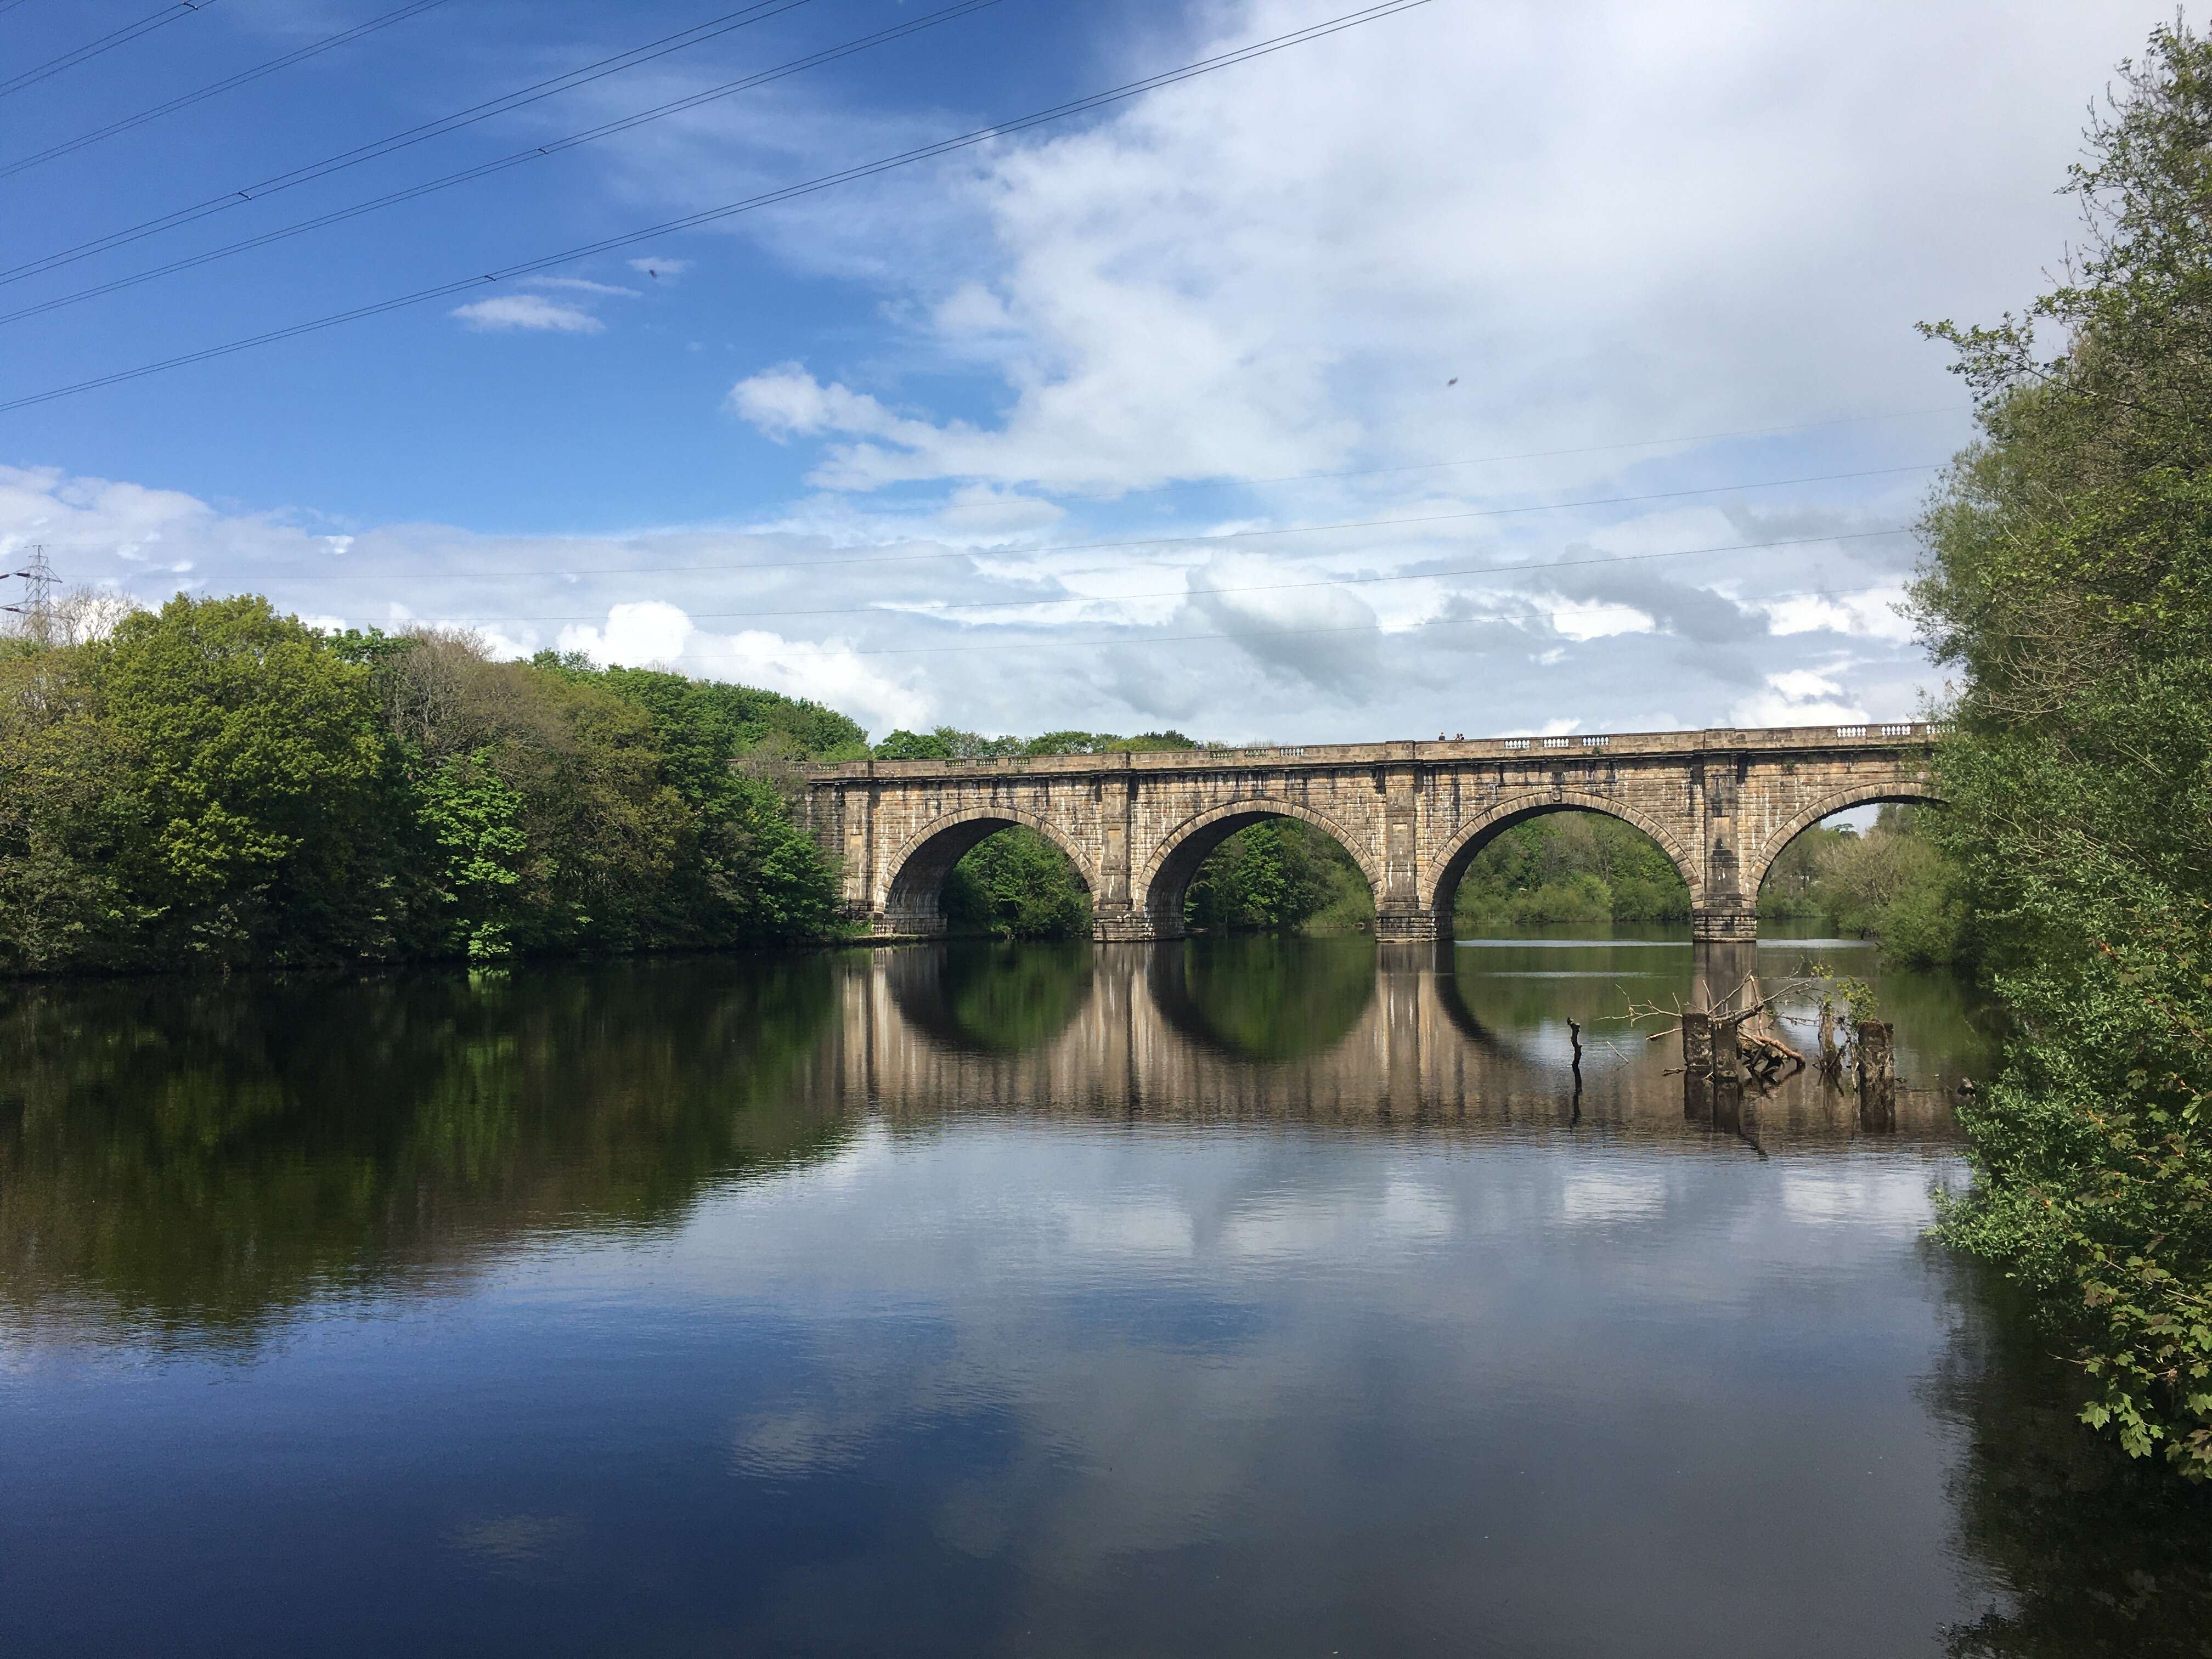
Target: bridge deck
pixel 1883 735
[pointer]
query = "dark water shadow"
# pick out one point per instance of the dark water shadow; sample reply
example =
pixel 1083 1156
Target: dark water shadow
pixel 2085 1552
pixel 979 997
pixel 192 1161
pixel 1262 997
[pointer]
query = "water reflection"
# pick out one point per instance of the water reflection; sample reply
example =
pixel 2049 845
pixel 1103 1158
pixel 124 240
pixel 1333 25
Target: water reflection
pixel 990 998
pixel 193 1159
pixel 1235 1296
pixel 1265 998
pixel 2079 1552
pixel 185 1161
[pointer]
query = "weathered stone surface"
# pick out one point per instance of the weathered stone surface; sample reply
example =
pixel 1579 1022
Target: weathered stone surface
pixel 1722 804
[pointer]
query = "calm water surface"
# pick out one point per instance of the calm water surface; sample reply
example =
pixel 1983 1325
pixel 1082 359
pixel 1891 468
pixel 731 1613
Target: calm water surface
pixel 1243 1297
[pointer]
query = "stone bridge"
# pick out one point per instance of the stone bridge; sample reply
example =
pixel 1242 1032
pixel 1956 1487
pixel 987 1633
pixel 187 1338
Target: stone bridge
pixel 1722 804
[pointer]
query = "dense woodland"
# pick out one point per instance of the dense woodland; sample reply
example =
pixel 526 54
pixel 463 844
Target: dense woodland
pixel 216 785
pixel 2068 591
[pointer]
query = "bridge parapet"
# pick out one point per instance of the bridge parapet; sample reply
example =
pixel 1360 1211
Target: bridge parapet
pixel 1721 802
pixel 1868 735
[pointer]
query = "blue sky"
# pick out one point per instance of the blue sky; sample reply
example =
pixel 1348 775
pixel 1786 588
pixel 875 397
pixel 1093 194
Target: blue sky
pixel 866 446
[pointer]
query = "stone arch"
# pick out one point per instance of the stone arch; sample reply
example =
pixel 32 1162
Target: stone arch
pixel 1160 885
pixel 908 901
pixel 1440 878
pixel 1901 790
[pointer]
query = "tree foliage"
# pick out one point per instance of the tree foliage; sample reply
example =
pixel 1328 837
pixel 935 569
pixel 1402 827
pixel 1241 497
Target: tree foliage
pixel 2068 586
pixel 1017 886
pixel 1895 883
pixel 216 784
pixel 1277 877
pixel 1570 866
pixel 950 743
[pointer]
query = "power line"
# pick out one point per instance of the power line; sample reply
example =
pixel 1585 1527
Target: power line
pixel 1528 614
pixel 906 158
pixel 1550 454
pixel 757 12
pixel 1494 570
pixel 536 152
pixel 7 6
pixel 1158 540
pixel 238 80
pixel 128 32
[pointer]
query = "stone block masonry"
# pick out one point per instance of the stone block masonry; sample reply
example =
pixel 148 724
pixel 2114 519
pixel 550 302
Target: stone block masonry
pixel 1722 804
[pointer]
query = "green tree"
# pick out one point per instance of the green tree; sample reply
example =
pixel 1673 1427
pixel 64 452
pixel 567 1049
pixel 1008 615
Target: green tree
pixel 2068 585
pixel 903 744
pixel 1570 866
pixel 1275 877
pixel 250 763
pixel 475 819
pixel 744 871
pixel 218 784
pixel 67 805
pixel 1017 885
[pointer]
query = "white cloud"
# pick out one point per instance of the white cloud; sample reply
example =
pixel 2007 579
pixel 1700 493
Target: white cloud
pixel 1875 615
pixel 787 402
pixel 655 634
pixel 1598 620
pixel 1277 270
pixel 583 285
pixel 980 510
pixel 1797 696
pixel 532 311
pixel 892 616
pixel 636 635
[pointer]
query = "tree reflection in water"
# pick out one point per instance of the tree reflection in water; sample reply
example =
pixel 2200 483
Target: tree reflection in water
pixel 999 998
pixel 187 1162
pixel 1265 997
pixel 2087 1553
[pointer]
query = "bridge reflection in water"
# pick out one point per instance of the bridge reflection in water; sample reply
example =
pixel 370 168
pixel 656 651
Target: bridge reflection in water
pixel 199 1160
pixel 1477 1035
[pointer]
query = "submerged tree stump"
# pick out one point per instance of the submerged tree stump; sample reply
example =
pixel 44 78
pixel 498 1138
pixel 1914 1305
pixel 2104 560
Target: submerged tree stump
pixel 1728 1077
pixel 1877 1076
pixel 1696 1065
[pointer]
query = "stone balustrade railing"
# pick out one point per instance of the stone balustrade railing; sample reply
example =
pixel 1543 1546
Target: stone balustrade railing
pixel 1872 735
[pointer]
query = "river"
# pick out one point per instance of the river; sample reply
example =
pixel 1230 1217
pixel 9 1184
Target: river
pixel 1244 1297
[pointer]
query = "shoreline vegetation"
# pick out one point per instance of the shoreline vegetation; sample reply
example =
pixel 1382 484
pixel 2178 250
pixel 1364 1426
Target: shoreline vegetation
pixel 2067 587
pixel 215 786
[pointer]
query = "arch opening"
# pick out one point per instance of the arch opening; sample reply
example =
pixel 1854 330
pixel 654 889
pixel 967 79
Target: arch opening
pixel 1561 860
pixel 1032 892
pixel 1867 869
pixel 1167 884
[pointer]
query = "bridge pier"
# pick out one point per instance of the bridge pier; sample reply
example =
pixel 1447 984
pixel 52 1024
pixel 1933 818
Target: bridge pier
pixel 1717 923
pixel 1395 925
pixel 907 923
pixel 1125 925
